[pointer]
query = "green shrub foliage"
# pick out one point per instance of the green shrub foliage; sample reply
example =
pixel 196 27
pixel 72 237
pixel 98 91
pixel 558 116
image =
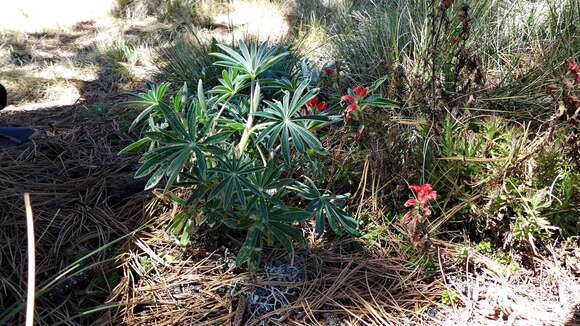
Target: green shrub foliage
pixel 235 149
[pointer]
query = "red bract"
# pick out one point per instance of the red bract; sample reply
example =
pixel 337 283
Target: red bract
pixel 408 217
pixel 351 108
pixel 425 208
pixel 360 91
pixel 328 71
pixel 321 106
pixel 424 192
pixel 347 98
pixel 312 102
pixel 572 65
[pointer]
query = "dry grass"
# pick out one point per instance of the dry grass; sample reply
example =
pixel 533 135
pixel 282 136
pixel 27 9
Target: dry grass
pixel 64 66
pixel 167 284
pixel 77 184
pixel 189 285
pixel 544 296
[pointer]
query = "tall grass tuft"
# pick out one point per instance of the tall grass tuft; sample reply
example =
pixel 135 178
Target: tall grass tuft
pixel 516 44
pixel 187 60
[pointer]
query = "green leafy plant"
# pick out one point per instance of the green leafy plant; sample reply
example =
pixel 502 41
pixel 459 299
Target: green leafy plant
pixel 235 151
pixel 484 247
pixel 449 297
pixel 464 251
pixel 145 263
pixel 506 263
pixel 522 181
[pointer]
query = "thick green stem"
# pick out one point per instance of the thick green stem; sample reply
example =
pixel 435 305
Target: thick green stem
pixel 249 123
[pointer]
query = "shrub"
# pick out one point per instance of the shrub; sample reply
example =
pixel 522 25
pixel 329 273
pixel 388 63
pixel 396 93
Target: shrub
pixel 236 151
pixel 517 186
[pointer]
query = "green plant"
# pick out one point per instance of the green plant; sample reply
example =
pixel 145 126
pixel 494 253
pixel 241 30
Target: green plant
pixel 375 234
pixel 415 258
pixel 510 181
pixel 449 297
pixel 235 152
pixel 484 247
pixel 98 110
pixel 188 59
pixel 506 263
pixel 145 263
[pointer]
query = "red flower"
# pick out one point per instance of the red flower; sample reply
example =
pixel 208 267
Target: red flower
pixel 425 208
pixel 328 71
pixel 347 98
pixel 408 217
pixel 352 107
pixel 572 65
pixel 424 192
pixel 312 102
pixel 360 91
pixel 321 106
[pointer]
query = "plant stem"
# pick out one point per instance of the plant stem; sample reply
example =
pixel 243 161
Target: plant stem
pixel 249 123
pixel 219 115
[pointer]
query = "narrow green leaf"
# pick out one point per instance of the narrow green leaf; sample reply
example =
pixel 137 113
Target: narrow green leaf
pixel 135 145
pixel 177 165
pixel 141 116
pixel 155 178
pixel 281 237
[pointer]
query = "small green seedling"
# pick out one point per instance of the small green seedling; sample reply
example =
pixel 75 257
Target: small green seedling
pixel 484 247
pixel 449 297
